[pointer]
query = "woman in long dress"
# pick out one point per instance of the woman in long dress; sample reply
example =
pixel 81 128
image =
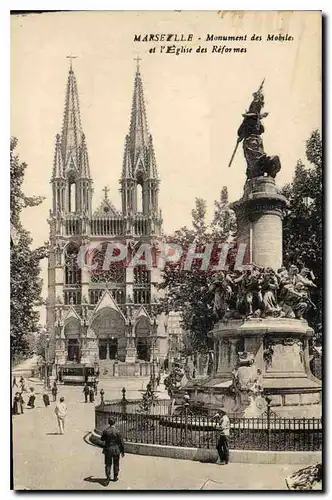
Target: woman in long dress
pixel 32 397
pixel 15 403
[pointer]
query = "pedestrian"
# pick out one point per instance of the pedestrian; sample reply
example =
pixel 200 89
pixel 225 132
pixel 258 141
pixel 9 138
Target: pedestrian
pixel 102 393
pixel 91 395
pixel 95 386
pixel 32 398
pixel 46 399
pixel 61 413
pixel 16 403
pixel 112 448
pixel 54 391
pixel 22 383
pixel 222 444
pixel 14 383
pixel 86 392
pixel 21 402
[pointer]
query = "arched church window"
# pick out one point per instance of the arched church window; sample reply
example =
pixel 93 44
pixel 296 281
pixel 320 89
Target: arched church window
pixel 72 269
pixel 72 196
pixel 139 198
pixel 106 270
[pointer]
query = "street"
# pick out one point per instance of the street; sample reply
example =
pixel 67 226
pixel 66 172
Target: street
pixel 45 460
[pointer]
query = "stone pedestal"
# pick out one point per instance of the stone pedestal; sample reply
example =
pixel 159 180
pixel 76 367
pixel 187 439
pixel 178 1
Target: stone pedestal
pixel 280 351
pixel 259 216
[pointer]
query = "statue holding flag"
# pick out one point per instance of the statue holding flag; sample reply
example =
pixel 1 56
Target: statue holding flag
pixel 250 131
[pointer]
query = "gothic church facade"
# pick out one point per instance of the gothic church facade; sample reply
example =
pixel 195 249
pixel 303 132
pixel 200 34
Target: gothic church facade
pixel 96 314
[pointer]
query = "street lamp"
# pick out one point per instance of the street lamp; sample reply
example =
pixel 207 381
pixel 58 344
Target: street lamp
pixel 153 371
pixel 47 344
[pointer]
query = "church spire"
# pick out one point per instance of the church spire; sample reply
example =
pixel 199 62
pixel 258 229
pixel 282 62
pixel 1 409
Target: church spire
pixel 139 181
pixel 138 132
pixel 71 179
pixel 139 154
pixel 71 137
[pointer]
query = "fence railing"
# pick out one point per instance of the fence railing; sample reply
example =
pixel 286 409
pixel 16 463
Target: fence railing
pixel 186 429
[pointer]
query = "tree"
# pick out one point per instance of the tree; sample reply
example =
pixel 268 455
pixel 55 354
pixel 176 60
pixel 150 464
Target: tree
pixel 188 289
pixel 303 223
pixel 26 285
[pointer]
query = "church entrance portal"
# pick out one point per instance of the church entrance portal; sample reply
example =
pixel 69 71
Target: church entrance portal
pixel 73 350
pixel 108 348
pixel 110 330
pixel 143 349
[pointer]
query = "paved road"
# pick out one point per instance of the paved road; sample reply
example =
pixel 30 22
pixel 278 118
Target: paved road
pixel 44 460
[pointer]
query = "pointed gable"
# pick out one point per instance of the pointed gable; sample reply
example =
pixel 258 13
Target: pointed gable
pixel 71 314
pixel 142 313
pixel 107 209
pixel 106 300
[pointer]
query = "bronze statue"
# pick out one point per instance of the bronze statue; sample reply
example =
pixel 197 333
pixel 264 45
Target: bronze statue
pixel 250 131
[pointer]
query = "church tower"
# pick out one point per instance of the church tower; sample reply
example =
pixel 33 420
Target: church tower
pixel 139 181
pixel 105 316
pixel 71 180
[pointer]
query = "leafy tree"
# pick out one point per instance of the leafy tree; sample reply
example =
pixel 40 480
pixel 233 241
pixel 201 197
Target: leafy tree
pixel 303 224
pixel 149 399
pixel 26 285
pixel 188 289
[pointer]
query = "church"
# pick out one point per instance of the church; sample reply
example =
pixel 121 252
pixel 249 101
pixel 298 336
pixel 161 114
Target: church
pixel 104 316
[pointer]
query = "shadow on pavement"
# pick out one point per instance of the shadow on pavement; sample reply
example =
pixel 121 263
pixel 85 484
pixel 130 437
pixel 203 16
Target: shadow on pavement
pixel 101 480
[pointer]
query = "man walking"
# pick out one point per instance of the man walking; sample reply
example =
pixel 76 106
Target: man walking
pixel 86 391
pixel 54 391
pixel 222 445
pixel 95 385
pixel 61 413
pixel 113 446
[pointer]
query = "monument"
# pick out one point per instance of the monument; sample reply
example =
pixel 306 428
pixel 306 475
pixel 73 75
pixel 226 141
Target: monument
pixel 261 339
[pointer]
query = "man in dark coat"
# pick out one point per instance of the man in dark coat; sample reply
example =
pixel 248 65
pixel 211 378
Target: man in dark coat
pixel 113 446
pixel 86 391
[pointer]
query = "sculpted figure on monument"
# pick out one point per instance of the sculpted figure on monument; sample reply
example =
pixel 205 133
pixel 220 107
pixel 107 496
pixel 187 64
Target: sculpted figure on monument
pixel 294 292
pixel 262 292
pixel 247 384
pixel 250 131
pixel 222 288
pixel 270 287
pixel 252 282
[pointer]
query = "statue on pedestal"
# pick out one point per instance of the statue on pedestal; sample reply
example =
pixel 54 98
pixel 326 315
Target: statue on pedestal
pixel 250 131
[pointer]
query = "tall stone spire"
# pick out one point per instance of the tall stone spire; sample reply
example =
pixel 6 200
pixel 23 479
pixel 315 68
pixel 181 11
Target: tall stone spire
pixel 71 179
pixel 71 137
pixel 139 181
pixel 139 155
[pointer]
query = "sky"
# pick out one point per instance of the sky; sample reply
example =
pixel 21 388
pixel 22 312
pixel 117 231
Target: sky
pixel 194 101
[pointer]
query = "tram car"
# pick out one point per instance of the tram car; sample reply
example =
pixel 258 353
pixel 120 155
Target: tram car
pixel 76 374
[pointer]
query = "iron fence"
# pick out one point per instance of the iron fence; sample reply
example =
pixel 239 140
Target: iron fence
pixel 185 429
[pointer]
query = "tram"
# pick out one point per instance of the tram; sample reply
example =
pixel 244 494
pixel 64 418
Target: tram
pixel 77 374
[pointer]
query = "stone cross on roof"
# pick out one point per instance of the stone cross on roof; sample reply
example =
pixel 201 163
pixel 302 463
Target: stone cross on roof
pixel 106 190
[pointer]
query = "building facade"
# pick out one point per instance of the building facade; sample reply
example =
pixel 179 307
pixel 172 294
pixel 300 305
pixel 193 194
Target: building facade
pixel 101 310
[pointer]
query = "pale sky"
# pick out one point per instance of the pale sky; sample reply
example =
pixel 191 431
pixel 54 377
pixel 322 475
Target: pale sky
pixel 194 101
